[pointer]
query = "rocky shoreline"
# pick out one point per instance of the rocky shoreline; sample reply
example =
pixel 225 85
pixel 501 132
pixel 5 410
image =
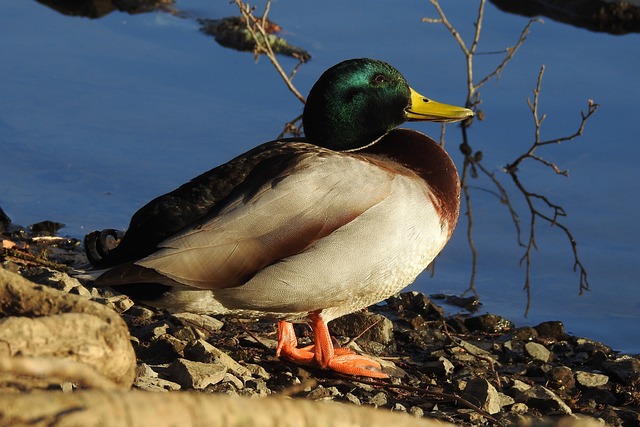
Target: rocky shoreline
pixel 469 370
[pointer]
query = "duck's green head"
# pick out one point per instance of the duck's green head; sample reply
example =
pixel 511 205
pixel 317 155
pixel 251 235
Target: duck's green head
pixel 356 102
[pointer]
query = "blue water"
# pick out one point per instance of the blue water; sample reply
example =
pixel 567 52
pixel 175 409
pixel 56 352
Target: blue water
pixel 97 116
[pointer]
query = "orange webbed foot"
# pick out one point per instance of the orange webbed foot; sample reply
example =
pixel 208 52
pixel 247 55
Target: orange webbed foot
pixel 322 353
pixel 353 364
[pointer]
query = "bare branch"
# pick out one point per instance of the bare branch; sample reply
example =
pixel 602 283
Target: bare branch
pixel 257 29
pixel 537 119
pixel 469 53
pixel 472 165
pixel 530 197
pixel 511 51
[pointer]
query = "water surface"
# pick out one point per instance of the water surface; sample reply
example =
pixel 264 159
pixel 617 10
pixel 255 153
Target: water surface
pixel 97 116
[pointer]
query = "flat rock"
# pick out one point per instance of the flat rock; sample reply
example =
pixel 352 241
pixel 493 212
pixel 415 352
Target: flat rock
pixel 591 379
pixel 196 375
pixel 537 351
pixel 366 325
pixel 206 324
pixel 625 368
pixel 552 330
pixel 202 351
pixel 491 323
pixel 484 395
pixel 544 399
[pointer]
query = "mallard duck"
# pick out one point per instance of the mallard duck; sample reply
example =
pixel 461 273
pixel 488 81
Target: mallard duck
pixel 302 229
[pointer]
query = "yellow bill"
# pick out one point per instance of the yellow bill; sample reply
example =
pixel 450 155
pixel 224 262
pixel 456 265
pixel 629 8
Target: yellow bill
pixel 425 109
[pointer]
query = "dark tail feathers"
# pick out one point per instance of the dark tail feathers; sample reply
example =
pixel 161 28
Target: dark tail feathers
pixel 99 244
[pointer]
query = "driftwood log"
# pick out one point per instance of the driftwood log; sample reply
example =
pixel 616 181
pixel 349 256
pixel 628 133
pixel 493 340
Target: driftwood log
pixel 49 337
pixel 184 409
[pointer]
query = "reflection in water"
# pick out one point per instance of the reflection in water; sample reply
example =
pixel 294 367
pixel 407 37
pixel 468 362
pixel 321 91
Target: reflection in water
pixel 100 8
pixel 232 32
pixel 540 206
pixel 615 17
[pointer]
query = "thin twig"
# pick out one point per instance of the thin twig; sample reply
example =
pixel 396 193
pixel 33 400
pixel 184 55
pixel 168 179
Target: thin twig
pixel 257 29
pixel 533 106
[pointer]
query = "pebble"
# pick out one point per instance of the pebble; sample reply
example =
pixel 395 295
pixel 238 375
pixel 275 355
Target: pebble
pixel 201 351
pixel 591 379
pixel 410 304
pixel 368 326
pixel 416 411
pixel 482 393
pixel 542 398
pixel 490 323
pixel 352 398
pixel 561 378
pixel 552 330
pixel 203 323
pixel 196 375
pixel 257 371
pixel 379 399
pixel 440 367
pixel 537 351
pixel 259 385
pixel 625 369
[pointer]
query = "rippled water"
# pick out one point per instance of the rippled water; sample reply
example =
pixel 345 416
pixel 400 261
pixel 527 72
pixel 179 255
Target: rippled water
pixel 97 116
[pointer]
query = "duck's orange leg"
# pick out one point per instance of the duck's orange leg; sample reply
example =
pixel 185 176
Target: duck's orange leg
pixel 322 353
pixel 288 345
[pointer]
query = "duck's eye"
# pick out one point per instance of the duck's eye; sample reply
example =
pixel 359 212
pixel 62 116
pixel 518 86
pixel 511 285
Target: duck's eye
pixel 380 78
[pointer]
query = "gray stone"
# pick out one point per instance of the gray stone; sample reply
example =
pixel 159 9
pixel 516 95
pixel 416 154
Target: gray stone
pixel 544 399
pixel 380 399
pixel 485 395
pixel 186 334
pixel 416 411
pixel 237 382
pixel 155 384
pixel 353 399
pixel 154 330
pixel 196 375
pixel 463 347
pixel 625 368
pixel 519 408
pixel 147 379
pixel 206 324
pixel 591 379
pixel 259 385
pixel 257 371
pixel 119 303
pixel 440 367
pixel 517 390
pixel 319 393
pixel 505 400
pixel 537 351
pixel 144 370
pixel 378 328
pixel 561 378
pixel 202 351
pixel 552 329
pixel 490 323
pixel 398 407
